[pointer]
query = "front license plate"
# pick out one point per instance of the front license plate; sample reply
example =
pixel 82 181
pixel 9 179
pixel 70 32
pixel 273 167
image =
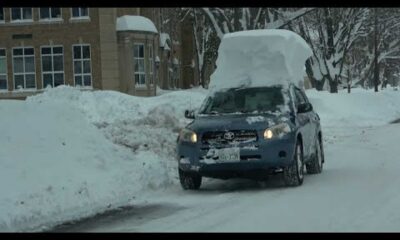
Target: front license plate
pixel 229 155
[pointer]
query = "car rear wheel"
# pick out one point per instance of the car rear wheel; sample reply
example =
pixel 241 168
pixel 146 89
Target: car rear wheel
pixel 189 180
pixel 293 175
pixel 316 164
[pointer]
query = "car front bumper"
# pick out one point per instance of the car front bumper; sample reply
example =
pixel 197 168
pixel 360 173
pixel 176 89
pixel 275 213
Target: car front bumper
pixel 257 158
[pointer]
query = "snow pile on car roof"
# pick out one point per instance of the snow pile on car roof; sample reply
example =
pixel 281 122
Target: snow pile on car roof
pixel 260 58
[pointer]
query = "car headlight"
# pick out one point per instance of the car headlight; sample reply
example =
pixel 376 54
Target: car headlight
pixel 277 131
pixel 187 135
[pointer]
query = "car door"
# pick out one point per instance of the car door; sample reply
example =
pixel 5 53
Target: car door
pixel 314 123
pixel 304 120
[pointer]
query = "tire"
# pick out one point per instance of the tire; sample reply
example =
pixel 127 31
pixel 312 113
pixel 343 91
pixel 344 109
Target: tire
pixel 316 164
pixel 293 175
pixel 189 180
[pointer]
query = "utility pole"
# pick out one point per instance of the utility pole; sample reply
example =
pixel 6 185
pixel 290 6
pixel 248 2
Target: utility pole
pixel 376 64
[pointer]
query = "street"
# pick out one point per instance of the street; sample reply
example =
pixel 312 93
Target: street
pixel 357 191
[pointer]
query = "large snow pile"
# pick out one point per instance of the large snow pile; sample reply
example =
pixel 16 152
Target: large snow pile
pixel 67 154
pixel 260 58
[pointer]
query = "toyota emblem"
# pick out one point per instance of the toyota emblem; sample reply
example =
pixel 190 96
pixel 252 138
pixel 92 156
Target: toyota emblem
pixel 229 136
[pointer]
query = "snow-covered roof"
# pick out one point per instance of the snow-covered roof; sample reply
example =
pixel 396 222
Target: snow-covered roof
pixel 157 59
pixel 135 23
pixel 175 61
pixel 260 58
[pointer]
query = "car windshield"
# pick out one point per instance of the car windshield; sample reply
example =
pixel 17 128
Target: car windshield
pixel 244 100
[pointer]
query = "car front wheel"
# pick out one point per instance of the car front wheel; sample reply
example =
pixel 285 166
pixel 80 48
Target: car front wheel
pixel 316 164
pixel 293 174
pixel 189 180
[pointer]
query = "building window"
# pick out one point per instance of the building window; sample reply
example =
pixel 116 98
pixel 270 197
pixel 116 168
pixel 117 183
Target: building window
pixel 50 13
pixel 3 70
pixel 151 64
pixel 1 14
pixel 24 68
pixel 299 97
pixel 140 73
pixel 21 14
pixel 82 65
pixel 80 13
pixel 52 66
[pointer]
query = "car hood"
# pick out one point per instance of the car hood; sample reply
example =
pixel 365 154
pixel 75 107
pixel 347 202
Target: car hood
pixel 204 123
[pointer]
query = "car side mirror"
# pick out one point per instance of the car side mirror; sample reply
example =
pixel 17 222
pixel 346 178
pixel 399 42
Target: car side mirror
pixel 304 107
pixel 189 114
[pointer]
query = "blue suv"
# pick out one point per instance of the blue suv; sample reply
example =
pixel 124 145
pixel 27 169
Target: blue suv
pixel 251 133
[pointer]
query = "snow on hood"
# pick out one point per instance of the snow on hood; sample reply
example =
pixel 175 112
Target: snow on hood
pixel 260 58
pixel 237 121
pixel 135 23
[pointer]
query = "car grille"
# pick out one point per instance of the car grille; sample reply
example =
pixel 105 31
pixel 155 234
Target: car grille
pixel 227 137
pixel 242 158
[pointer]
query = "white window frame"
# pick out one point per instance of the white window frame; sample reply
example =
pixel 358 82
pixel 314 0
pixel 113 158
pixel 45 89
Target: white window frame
pixel 52 55
pixel 23 65
pixel 138 85
pixel 4 17
pixel 151 63
pixel 50 19
pixel 21 20
pixel 80 15
pixel 6 73
pixel 82 74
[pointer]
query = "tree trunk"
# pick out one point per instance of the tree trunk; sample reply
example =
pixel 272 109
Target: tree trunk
pixel 310 74
pixel 333 84
pixel 348 81
pixel 202 71
pixel 236 22
pixel 329 33
pixel 376 65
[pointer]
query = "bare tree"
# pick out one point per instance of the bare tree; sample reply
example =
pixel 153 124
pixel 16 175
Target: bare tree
pixel 331 33
pixel 210 22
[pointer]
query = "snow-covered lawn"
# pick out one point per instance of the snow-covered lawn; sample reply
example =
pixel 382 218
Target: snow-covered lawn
pixel 67 154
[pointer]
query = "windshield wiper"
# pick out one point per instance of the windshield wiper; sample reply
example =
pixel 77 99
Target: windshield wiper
pixel 244 111
pixel 213 113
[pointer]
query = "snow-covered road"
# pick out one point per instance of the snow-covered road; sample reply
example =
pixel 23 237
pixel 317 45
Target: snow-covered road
pixel 359 190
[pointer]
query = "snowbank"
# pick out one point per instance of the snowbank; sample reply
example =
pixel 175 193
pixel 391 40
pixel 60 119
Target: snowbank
pixel 68 154
pixel 54 163
pixel 259 58
pixel 361 107
pixel 135 23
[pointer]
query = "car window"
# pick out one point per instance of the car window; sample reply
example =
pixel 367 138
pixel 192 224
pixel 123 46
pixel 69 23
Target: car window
pixel 260 99
pixel 304 96
pixel 299 97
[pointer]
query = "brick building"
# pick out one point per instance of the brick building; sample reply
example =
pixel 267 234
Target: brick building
pixel 87 47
